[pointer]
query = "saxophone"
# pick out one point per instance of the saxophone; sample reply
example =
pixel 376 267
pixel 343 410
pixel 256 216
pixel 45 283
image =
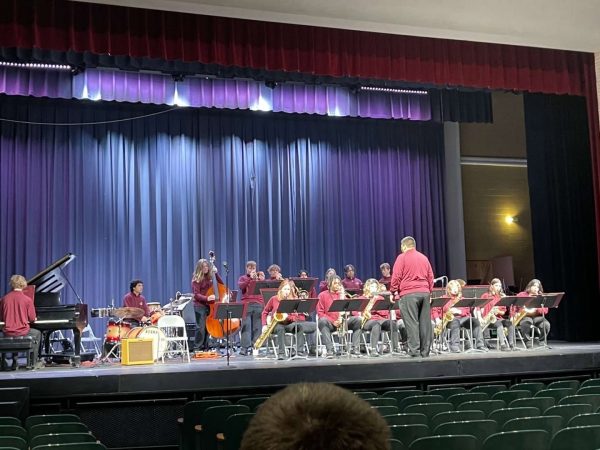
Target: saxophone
pixel 371 290
pixel 520 315
pixel 277 318
pixel 440 327
pixel 488 319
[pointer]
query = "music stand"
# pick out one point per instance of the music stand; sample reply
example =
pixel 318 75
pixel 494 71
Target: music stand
pixel 439 302
pixel 344 306
pixel 256 286
pixel 472 303
pixel 353 292
pixel 304 284
pixel 228 311
pixel 551 300
pixel 267 293
pixel 297 306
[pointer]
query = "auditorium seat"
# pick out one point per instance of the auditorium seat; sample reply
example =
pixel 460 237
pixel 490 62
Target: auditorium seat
pixel 567 412
pixel 591 382
pixel 429 409
pixel 13 442
pixel 13 430
pixel 454 442
pixel 457 399
pixel 213 422
pixel 585 419
pixel 406 419
pixel 447 391
pixel 252 402
pixel 386 410
pixel 588 390
pixel 557 393
pixel 481 429
pixel 509 396
pixel 61 438
pixel 590 399
pixel 560 384
pixel 235 427
pixel 52 428
pixel 580 438
pixel 7 420
pixel 503 415
pixel 543 403
pixel 409 433
pixel 366 394
pixel 531 386
pixel 517 440
pixel 417 399
pixel 489 389
pixel 382 401
pixel 76 446
pixel 50 418
pixel 551 424
pixel 400 395
pixel 192 411
pixel 487 406
pixel 451 416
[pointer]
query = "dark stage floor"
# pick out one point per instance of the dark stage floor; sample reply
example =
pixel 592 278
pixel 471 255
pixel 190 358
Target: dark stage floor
pixel 247 373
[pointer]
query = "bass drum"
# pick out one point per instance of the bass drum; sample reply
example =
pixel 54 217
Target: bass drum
pixel 159 340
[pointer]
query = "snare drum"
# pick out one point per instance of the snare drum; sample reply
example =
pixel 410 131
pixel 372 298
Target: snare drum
pixel 116 330
pixel 153 306
pixel 159 340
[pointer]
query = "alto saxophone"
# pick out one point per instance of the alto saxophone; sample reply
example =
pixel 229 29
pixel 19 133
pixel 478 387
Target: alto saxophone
pixel 488 319
pixel 520 315
pixel 366 314
pixel 277 318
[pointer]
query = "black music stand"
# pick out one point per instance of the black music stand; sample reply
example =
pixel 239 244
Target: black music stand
pixel 345 306
pixel 353 292
pixel 256 286
pixel 297 306
pixel 304 284
pixel 228 311
pixel 551 300
pixel 472 303
pixel 439 302
pixel 267 293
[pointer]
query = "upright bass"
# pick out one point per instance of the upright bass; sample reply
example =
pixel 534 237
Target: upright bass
pixel 220 291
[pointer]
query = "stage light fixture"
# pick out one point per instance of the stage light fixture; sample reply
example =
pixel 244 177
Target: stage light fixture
pixel 390 90
pixel 36 66
pixel 511 219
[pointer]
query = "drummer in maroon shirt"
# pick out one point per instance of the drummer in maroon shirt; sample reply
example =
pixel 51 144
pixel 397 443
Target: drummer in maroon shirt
pixel 412 280
pixel 135 299
pixel 17 312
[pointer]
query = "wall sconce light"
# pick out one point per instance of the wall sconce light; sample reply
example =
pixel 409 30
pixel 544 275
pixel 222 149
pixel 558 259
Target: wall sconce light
pixel 511 219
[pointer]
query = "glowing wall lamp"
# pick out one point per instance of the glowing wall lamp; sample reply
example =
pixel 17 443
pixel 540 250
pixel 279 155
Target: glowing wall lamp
pixel 511 219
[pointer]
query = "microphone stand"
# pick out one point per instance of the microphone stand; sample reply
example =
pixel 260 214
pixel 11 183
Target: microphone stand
pixel 226 267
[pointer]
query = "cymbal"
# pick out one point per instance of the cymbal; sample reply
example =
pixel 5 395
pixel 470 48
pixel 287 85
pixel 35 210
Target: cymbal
pixel 128 313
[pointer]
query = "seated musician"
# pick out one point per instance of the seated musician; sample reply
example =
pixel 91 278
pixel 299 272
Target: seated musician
pixel 499 312
pixel 275 273
pixel 533 316
pixel 324 285
pixel 350 281
pixel 135 299
pixel 311 338
pixel 17 311
pixel 386 275
pixel 201 283
pixel 293 323
pixel 303 273
pixel 378 320
pixel 331 321
pixel 461 318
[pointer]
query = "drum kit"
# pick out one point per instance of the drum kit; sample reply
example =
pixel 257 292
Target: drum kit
pixel 125 323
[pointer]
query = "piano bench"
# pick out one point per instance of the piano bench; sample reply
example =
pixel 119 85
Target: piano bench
pixel 16 344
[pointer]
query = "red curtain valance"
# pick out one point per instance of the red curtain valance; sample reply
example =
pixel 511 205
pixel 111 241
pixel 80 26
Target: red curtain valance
pixel 105 29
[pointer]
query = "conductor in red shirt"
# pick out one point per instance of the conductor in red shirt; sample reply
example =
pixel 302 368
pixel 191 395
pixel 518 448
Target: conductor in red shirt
pixel 412 280
pixel 17 312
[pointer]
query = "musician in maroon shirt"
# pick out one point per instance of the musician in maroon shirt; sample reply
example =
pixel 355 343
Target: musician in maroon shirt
pixel 251 325
pixel 386 275
pixel 323 285
pixel 293 323
pixel 331 321
pixel 376 320
pixel 412 281
pixel 135 299
pixel 275 273
pixel 534 318
pixel 201 283
pixel 495 294
pixel 17 312
pixel 350 281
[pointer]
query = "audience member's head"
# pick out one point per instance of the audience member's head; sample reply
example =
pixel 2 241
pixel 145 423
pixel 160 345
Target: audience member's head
pixel 315 416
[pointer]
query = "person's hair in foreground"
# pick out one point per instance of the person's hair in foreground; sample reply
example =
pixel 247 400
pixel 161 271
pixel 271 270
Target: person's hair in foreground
pixel 316 416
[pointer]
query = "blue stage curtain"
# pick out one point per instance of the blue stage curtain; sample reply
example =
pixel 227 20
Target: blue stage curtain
pixel 147 198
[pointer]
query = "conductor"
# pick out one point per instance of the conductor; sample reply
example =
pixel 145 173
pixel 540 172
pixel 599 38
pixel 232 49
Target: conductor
pixel 412 281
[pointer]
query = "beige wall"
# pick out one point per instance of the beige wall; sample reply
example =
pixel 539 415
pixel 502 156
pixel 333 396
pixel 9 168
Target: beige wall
pixel 490 193
pixel 503 138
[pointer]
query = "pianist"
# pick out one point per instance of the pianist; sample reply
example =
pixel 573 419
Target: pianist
pixel 135 299
pixel 17 312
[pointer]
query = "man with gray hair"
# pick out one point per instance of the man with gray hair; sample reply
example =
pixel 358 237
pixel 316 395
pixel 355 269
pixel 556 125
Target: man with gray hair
pixel 412 281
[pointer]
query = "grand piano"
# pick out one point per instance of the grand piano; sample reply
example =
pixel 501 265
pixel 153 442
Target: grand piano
pixel 52 315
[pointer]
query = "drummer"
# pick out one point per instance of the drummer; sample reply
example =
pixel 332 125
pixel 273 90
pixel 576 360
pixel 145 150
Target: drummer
pixel 135 299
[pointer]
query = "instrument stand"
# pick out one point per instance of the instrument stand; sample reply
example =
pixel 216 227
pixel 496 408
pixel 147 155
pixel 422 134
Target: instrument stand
pixel 228 311
pixel 297 306
pixel 347 306
pixel 472 303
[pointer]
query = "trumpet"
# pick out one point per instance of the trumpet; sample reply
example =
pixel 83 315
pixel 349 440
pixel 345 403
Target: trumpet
pixel 259 276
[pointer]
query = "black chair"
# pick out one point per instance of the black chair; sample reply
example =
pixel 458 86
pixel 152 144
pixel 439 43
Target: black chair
pixel 505 414
pixel 448 391
pixel 50 418
pixel 455 416
pixel 409 433
pixel 212 422
pixel 514 394
pixel 386 410
pixel 570 384
pixel 542 403
pixel 13 442
pixel 487 406
pixel 585 419
pixel 590 399
pixel 381 401
pixel 556 394
pixel 531 386
pixel 429 409
pixel 489 389
pixel 400 395
pixel 61 438
pixel 567 412
pixel 419 399
pixel 457 399
pixel 406 419
pixel 192 411
pixel 235 427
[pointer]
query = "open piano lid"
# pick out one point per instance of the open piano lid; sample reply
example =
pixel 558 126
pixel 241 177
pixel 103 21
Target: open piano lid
pixel 51 278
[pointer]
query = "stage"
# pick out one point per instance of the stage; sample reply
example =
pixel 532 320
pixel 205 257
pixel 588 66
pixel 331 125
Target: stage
pixel 106 395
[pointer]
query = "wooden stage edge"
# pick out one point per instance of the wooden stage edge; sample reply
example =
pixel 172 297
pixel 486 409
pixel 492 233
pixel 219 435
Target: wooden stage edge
pixel 245 374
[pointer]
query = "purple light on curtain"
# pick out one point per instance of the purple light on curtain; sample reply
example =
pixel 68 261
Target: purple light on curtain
pixel 134 87
pixel 35 83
